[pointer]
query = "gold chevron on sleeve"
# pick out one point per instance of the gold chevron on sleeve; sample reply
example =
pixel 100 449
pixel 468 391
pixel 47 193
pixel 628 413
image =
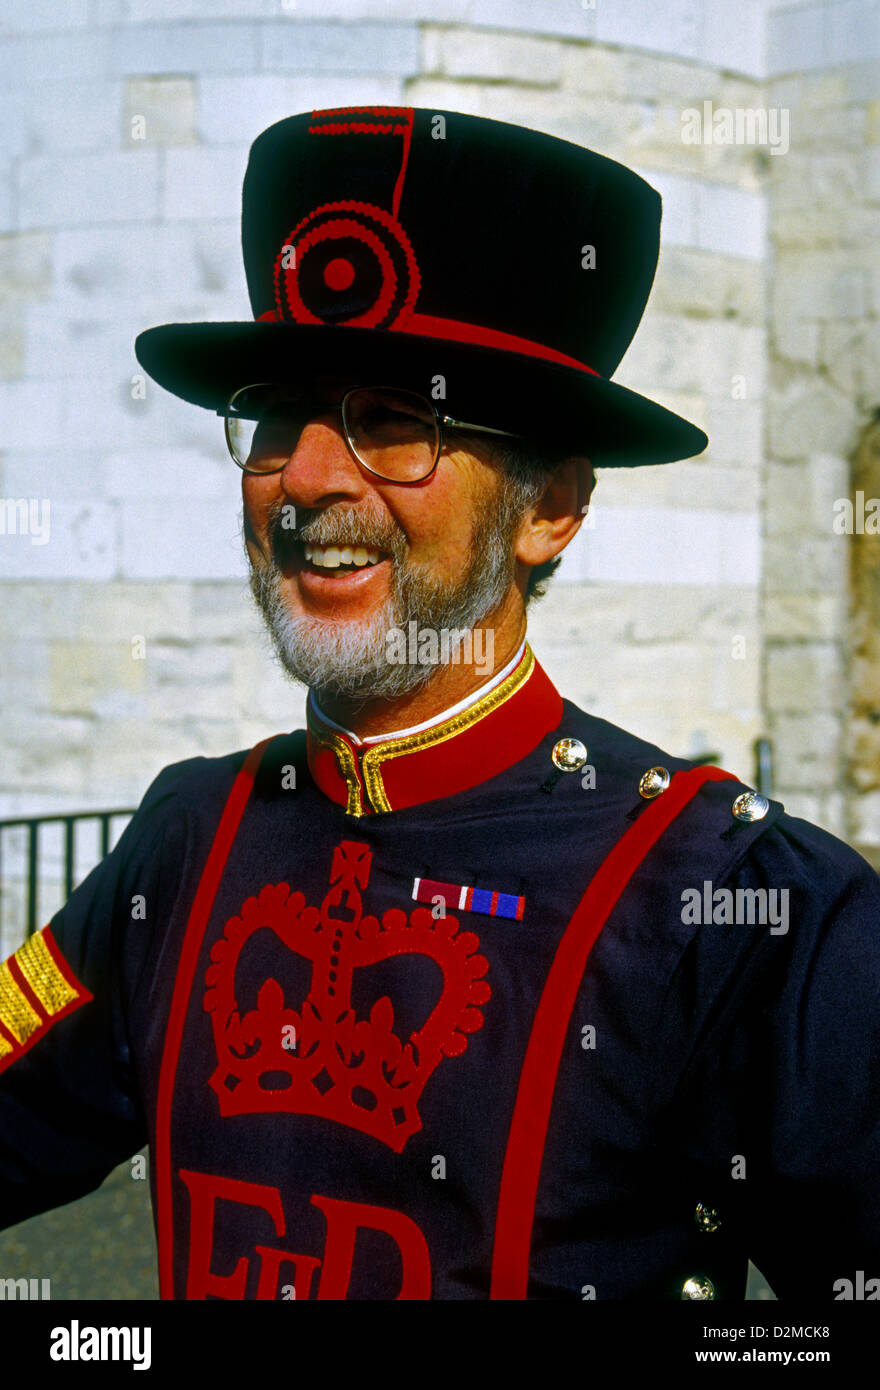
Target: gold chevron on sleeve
pixel 16 1014
pixel 42 974
pixel 37 989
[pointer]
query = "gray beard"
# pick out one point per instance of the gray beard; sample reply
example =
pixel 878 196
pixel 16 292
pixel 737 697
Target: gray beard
pixel 351 658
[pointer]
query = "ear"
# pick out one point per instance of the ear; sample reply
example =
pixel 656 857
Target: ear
pixel 557 516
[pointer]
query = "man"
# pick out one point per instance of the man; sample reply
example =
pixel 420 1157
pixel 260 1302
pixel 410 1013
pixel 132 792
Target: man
pixel 462 993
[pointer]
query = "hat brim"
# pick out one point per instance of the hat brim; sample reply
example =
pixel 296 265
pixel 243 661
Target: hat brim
pixel 546 402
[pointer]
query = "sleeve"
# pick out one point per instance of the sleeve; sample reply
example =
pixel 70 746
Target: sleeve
pixel 69 1108
pixel 785 1068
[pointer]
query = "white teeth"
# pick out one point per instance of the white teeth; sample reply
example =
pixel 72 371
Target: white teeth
pixel 332 556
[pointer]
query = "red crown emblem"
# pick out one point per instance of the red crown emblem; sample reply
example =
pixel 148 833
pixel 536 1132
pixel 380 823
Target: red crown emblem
pixel 320 1059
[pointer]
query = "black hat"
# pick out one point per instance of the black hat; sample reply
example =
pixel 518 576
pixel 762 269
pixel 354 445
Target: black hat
pixel 495 269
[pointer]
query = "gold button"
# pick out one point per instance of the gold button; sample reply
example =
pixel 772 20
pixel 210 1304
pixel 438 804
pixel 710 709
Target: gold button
pixel 569 754
pixel 706 1218
pixel 654 781
pixel 698 1287
pixel 750 806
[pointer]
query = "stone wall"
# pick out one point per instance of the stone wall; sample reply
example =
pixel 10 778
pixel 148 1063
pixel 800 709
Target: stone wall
pixel 824 203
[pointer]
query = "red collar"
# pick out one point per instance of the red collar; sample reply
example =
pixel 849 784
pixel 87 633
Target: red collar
pixel 477 743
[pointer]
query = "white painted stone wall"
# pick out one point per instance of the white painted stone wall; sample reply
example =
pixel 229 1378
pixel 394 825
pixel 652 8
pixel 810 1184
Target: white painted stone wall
pixel 656 620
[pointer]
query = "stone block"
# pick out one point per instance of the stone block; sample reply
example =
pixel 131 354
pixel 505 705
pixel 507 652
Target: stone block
pixel 69 116
pixel 80 544
pixel 576 21
pixel 83 189
pixel 593 68
pixel 203 183
pixel 25 267
pixel 34 16
pixel 341 48
pixel 809 415
pixel 31 415
pixel 865 818
pixel 157 49
pixel 81 674
pixel 12 343
pixel 677 28
pixel 852 32
pixel 156 543
pixel 8 197
pixel 186 477
pixel 796 40
pixel 850 355
pixel 690 546
pixel 797 341
pixel 708 285
pixel 807 750
pixel 800 497
pixel 100 267
pixel 792 617
pixel 804 676
pixel 486 54
pixel 159 111
pixel 153 11
pixel 799 562
pixel 78 56
pixel 75 342
pixel 731 220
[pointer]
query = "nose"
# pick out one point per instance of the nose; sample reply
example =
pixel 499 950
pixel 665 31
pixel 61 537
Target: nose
pixel 321 469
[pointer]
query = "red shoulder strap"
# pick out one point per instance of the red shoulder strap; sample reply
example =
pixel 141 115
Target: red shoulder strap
pixel 186 968
pixel 537 1082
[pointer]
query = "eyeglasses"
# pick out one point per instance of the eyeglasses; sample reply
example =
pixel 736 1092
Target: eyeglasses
pixel 396 435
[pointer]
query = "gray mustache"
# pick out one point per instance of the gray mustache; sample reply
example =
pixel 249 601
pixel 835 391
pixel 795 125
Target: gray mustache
pixel 339 527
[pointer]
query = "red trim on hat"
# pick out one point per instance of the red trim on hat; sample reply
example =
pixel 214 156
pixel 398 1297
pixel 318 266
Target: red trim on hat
pixel 531 1114
pixel 430 326
pixel 322 124
pixel 453 330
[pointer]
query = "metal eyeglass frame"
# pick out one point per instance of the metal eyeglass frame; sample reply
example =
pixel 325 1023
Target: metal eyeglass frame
pixel 442 421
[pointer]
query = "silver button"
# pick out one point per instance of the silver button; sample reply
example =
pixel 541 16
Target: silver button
pixel 698 1287
pixel 653 782
pixel 750 806
pixel 706 1218
pixel 569 754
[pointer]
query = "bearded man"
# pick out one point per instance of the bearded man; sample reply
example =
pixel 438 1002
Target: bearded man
pixel 462 992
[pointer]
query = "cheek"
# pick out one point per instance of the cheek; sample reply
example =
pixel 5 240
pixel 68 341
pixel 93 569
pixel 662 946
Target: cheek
pixel 445 518
pixel 256 496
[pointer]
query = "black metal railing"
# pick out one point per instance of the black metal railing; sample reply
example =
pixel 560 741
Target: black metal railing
pixel 27 878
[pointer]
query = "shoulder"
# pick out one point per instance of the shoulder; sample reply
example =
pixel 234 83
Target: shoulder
pixel 200 784
pixel 709 835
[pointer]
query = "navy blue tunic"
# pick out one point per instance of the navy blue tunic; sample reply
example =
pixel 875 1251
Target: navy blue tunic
pixel 717 1097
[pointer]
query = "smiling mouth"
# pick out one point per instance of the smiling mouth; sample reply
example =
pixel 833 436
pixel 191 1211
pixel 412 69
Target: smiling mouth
pixel 341 559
